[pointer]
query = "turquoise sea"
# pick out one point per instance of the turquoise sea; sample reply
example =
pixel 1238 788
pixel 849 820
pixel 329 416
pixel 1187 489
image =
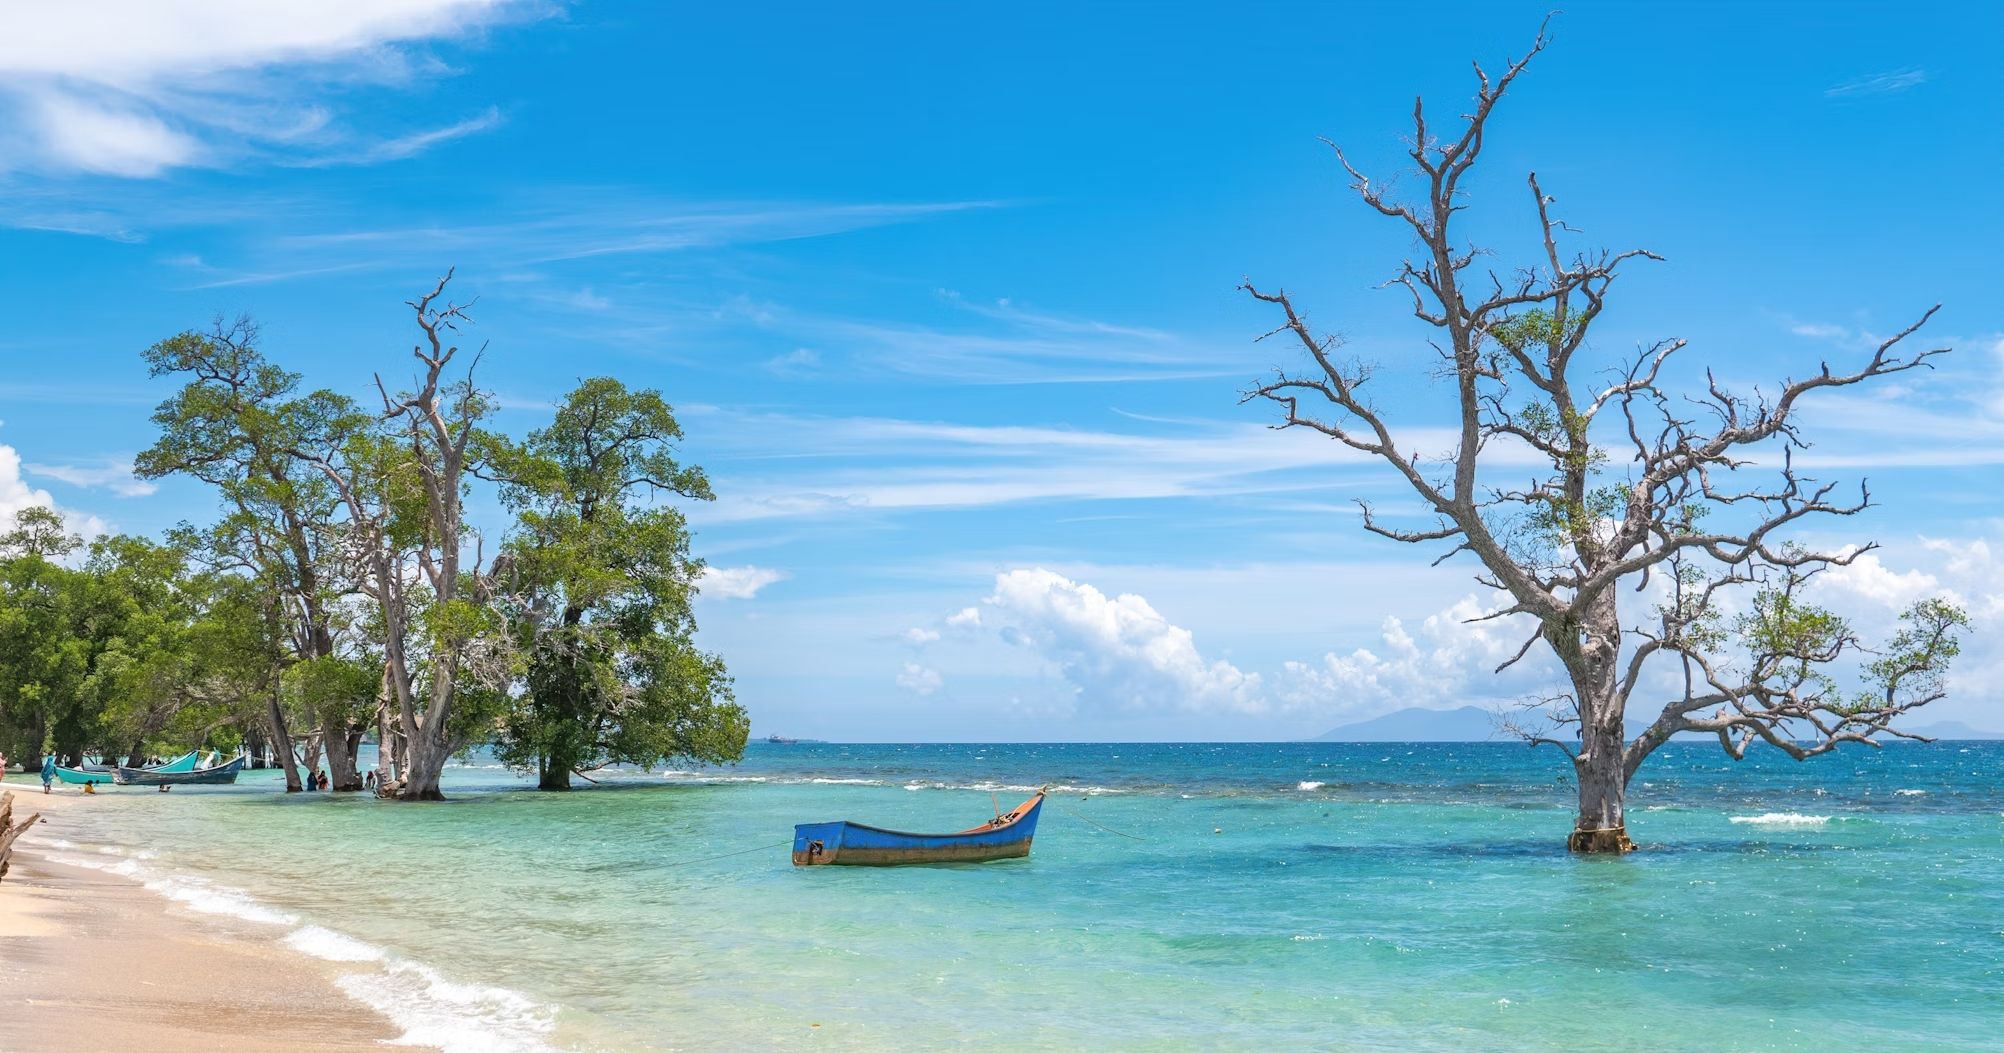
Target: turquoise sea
pixel 1280 897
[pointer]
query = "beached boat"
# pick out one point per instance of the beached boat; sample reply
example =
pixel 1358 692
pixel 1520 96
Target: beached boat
pixel 219 775
pixel 1007 836
pixel 103 776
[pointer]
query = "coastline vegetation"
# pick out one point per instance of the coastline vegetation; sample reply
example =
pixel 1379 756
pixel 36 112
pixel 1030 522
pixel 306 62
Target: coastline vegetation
pixel 342 594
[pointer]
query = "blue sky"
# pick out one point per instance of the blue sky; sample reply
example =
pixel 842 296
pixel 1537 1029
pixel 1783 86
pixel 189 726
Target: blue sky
pixel 945 298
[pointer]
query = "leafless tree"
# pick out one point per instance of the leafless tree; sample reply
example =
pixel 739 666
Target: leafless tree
pixel 402 483
pixel 1693 510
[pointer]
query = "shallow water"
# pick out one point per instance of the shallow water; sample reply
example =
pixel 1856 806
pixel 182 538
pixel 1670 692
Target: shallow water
pixel 1342 897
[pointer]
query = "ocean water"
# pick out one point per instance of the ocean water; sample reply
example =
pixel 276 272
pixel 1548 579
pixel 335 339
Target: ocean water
pixel 1279 897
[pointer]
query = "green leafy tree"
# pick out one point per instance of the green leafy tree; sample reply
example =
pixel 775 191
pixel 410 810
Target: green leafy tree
pixel 596 581
pixel 239 424
pixel 44 659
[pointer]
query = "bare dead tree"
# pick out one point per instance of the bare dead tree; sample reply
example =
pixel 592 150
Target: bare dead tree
pixel 1694 511
pixel 406 539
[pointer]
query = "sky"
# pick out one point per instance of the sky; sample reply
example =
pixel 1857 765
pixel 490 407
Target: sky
pixel 945 298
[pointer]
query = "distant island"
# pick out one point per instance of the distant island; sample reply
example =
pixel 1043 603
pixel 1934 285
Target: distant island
pixel 1416 724
pixel 1953 730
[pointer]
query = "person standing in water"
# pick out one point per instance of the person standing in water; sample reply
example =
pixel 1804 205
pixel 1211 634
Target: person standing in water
pixel 48 771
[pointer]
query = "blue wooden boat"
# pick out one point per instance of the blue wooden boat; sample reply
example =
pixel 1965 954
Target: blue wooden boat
pixel 219 775
pixel 1006 836
pixel 102 776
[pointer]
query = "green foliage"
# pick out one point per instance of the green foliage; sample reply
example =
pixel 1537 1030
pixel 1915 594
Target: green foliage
pixel 1534 328
pixel 600 587
pixel 123 654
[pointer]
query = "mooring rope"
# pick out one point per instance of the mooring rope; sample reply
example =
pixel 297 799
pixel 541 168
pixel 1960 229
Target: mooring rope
pixel 1108 829
pixel 727 855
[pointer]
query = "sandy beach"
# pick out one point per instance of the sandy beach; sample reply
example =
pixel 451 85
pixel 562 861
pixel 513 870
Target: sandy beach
pixel 87 953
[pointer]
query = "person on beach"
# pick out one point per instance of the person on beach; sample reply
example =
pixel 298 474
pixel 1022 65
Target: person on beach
pixel 369 780
pixel 48 771
pixel 90 789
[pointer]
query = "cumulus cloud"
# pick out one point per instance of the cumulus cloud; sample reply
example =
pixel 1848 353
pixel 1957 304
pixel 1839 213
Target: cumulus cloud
pixel 1450 661
pixel 965 618
pixel 1117 652
pixel 134 88
pixel 919 680
pixel 739 583
pixel 16 494
pixel 919 637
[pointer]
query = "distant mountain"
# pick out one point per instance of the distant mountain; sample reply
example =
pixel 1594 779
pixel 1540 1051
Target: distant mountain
pixel 1466 724
pixel 1475 724
pixel 1952 730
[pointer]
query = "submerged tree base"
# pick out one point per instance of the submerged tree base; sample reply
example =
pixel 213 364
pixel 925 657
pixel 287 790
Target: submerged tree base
pixel 1611 840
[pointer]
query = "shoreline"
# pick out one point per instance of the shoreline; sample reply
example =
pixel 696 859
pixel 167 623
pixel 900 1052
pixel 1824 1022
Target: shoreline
pixel 89 951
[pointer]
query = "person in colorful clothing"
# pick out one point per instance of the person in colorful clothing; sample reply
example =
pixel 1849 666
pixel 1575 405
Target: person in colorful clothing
pixel 48 771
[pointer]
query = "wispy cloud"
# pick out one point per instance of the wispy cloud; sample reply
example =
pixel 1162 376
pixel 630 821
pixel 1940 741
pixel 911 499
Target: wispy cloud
pixel 1879 83
pixel 113 474
pixel 778 465
pixel 133 89
pixel 1000 342
pixel 799 361
pixel 555 228
pixel 408 145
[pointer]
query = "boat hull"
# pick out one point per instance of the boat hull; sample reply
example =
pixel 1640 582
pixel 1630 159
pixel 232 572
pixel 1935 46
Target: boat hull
pixel 858 845
pixel 220 775
pixel 105 776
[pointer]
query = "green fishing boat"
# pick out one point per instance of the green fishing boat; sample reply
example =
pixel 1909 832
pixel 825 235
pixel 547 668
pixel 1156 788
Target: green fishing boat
pixel 103 776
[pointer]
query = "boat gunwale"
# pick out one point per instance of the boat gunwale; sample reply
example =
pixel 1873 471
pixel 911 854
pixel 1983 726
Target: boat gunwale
pixel 1020 813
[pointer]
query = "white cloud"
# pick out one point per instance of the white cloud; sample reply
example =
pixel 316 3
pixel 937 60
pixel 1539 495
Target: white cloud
pixel 1450 662
pixel 1879 83
pixel 16 494
pixel 739 583
pixel 797 361
pixel 1119 653
pixel 1869 577
pixel 918 637
pixel 965 618
pixel 919 680
pixel 108 141
pixel 134 88
pixel 113 475
pixel 968 466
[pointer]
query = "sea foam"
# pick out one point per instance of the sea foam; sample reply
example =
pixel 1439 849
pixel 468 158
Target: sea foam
pixel 1782 819
pixel 454 1017
pixel 331 946
pixel 1310 785
pixel 430 1009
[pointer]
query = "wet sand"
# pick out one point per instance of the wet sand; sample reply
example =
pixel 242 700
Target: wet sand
pixel 95 958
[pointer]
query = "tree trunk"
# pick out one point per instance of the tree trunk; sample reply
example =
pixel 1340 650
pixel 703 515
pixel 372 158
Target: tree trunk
pixel 552 775
pixel 1601 825
pixel 1590 649
pixel 341 773
pixel 310 757
pixel 254 748
pixel 425 756
pixel 282 739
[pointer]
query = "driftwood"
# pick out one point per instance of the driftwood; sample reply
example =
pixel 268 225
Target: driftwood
pixel 9 830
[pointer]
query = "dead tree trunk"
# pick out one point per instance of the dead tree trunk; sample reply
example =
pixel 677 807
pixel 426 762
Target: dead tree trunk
pixel 9 830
